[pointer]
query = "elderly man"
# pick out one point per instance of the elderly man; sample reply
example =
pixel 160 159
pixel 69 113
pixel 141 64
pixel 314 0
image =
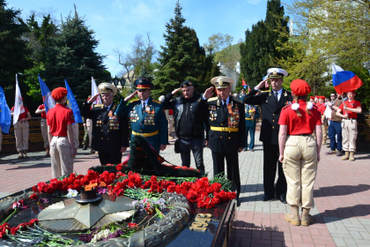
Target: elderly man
pixel 110 132
pixel 271 103
pixel 226 119
pixel 189 127
pixel 146 115
pixel 60 132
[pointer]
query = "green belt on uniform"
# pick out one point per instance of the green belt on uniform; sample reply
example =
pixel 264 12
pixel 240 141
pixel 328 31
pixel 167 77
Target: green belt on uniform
pixel 145 134
pixel 224 129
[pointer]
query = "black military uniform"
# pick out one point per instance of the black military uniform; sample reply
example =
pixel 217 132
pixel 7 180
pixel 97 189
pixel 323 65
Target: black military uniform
pixel 271 108
pixel 110 132
pixel 227 131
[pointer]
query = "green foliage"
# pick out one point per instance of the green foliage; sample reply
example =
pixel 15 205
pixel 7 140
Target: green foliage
pixel 327 31
pixel 218 42
pixel 259 51
pixel 13 50
pixel 181 58
pixel 72 57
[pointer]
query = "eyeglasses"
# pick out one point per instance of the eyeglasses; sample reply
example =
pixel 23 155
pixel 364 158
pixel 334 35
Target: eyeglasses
pixel 332 95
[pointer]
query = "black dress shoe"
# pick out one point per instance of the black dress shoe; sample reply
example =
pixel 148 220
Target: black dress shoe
pixel 282 198
pixel 84 148
pixel 266 198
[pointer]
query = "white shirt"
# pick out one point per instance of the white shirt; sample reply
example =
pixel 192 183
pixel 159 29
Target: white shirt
pixel 279 93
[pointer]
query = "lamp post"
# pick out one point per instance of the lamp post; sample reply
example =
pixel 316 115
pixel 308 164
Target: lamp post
pixel 119 83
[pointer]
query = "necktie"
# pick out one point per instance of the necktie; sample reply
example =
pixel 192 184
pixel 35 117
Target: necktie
pixel 224 107
pixel 276 96
pixel 143 110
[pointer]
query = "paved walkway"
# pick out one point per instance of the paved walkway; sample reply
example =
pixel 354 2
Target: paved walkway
pixel 342 196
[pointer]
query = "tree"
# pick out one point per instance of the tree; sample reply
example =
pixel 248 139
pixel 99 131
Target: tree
pixel 218 42
pixel 40 39
pixel 141 55
pixel 181 58
pixel 13 51
pixel 72 57
pixel 326 32
pixel 259 52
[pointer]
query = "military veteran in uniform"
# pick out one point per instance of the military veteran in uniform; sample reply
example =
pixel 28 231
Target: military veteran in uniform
pixel 110 132
pixel 146 115
pixel 226 119
pixel 271 103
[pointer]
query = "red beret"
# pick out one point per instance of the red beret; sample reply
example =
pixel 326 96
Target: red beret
pixel 59 93
pixel 352 91
pixel 299 87
pixel 312 97
pixel 321 97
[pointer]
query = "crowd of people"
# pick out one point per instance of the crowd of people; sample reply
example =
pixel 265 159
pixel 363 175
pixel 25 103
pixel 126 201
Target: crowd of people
pixel 292 130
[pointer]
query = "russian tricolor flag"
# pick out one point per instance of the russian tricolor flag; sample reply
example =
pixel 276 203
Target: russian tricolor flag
pixel 345 81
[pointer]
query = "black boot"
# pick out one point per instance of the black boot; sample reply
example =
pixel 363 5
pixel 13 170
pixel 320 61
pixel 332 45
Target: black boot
pixel 84 148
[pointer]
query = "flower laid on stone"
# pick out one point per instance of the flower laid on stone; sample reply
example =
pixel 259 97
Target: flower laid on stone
pixel 72 193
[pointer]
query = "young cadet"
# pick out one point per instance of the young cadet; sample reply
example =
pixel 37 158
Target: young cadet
pixel 59 120
pixel 299 151
pixel 348 112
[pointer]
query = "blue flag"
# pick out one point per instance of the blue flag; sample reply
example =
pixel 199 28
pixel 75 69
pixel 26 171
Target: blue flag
pixel 5 116
pixel 49 102
pixel 72 104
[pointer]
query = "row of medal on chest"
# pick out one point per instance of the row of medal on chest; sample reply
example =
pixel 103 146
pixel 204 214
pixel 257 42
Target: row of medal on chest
pixel 149 118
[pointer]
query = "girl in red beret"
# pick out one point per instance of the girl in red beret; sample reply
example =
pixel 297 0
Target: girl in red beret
pixel 299 151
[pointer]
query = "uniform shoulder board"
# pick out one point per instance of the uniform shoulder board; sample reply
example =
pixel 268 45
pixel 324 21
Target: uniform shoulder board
pixel 212 99
pixel 157 101
pixel 265 91
pixel 100 106
pixel 238 100
pixel 134 100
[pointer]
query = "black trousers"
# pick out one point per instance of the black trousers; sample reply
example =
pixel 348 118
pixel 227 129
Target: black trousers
pixel 232 167
pixel 270 162
pixel 196 146
pixel 110 158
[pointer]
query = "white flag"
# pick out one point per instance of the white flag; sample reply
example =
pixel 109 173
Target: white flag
pixel 94 91
pixel 18 104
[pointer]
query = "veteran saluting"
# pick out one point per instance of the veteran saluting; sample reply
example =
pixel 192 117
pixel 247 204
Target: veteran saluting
pixel 110 132
pixel 146 115
pixel 226 119
pixel 271 103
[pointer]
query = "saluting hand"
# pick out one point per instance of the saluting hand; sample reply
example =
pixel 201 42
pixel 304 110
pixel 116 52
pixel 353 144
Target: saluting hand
pixel 130 96
pixel 262 84
pixel 208 93
pixel 175 91
pixel 93 98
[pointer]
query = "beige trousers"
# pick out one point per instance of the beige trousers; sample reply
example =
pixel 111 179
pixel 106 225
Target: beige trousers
pixel 324 128
pixel 44 132
pixel 60 154
pixel 21 133
pixel 349 134
pixel 89 127
pixel 75 128
pixel 300 167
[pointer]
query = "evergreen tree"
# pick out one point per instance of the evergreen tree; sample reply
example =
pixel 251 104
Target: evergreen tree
pixel 181 58
pixel 13 50
pixel 259 50
pixel 72 57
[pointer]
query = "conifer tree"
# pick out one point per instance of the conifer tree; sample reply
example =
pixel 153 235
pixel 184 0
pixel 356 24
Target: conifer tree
pixel 72 57
pixel 181 58
pixel 13 49
pixel 259 50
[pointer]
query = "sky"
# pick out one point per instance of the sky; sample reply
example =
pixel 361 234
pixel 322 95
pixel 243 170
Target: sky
pixel 117 22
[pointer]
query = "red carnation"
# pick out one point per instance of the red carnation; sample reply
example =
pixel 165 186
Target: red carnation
pixel 34 196
pixel 119 167
pixel 132 224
